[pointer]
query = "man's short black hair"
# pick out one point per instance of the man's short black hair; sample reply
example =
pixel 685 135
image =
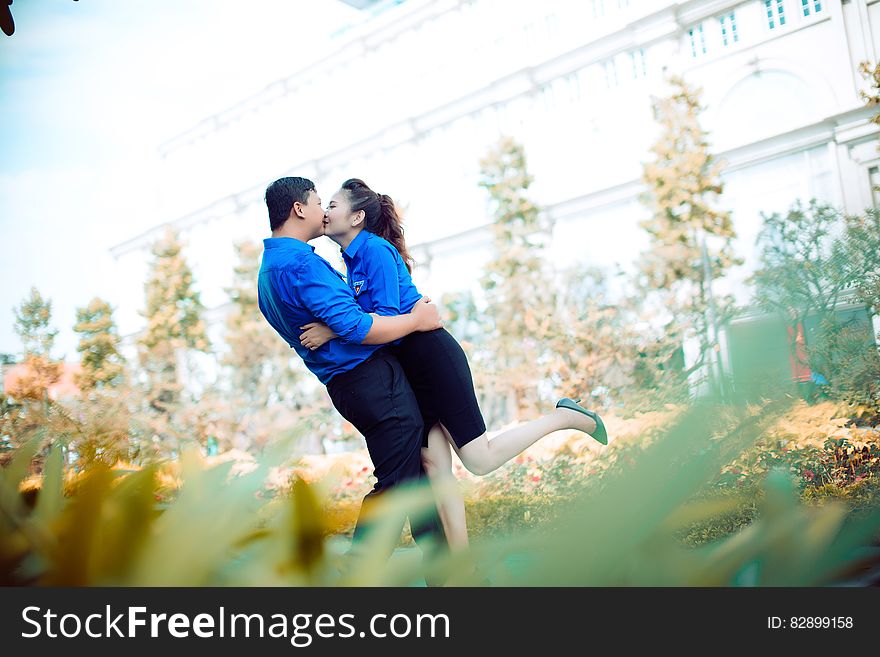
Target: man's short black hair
pixel 282 194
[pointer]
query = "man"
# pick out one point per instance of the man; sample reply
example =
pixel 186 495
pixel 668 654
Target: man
pixel 366 383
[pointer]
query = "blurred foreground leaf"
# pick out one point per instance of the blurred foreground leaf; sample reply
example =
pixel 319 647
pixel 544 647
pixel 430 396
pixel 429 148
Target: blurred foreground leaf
pixel 624 529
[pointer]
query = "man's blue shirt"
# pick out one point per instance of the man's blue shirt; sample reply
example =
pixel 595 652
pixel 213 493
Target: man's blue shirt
pixel 296 286
pixel 378 276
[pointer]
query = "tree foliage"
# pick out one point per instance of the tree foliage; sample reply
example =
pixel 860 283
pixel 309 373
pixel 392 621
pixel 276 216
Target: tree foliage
pixel 814 259
pixel 264 375
pixel 593 339
pixel 517 285
pixel 872 96
pixel 102 366
pixel 33 324
pixel 691 240
pixel 260 365
pixel 174 327
pixel 38 371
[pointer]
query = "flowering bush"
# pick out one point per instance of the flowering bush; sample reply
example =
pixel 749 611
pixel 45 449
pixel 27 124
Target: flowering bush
pixel 626 514
pixel 817 444
pixel 826 456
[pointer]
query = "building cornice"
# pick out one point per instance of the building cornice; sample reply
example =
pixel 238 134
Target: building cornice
pixel 643 31
pixel 357 42
pixel 848 128
pixel 695 11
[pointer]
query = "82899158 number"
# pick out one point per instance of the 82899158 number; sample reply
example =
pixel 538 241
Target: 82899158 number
pixel 820 622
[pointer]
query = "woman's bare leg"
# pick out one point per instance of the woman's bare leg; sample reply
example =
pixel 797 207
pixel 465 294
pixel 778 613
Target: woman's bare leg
pixel 481 456
pixel 437 459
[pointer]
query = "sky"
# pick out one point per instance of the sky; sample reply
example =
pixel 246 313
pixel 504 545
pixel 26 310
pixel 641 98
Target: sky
pixel 89 90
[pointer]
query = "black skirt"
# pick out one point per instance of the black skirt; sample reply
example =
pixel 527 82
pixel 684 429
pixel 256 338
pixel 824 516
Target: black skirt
pixel 440 376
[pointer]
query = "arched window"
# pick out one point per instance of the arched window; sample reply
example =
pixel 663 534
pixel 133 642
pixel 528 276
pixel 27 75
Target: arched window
pixel 763 104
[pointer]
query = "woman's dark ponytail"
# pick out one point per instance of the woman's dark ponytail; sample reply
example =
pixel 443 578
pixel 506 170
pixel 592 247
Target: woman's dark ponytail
pixel 381 214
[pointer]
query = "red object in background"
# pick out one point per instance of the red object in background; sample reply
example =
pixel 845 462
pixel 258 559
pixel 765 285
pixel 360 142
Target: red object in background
pixel 64 388
pixel 800 371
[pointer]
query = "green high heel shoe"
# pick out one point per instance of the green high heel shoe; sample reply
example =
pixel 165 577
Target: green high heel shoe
pixel 599 432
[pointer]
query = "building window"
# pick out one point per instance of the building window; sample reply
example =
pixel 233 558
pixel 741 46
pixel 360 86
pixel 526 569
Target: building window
pixel 639 68
pixel 728 29
pixel 698 40
pixel 622 4
pixel 816 6
pixel 775 13
pixel 598 8
pixel 610 73
pixel 874 179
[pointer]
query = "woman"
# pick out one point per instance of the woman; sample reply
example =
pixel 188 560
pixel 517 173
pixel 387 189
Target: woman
pixel 367 228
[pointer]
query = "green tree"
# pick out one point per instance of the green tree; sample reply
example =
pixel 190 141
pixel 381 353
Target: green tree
pixel 102 366
pixel 804 267
pixel 691 241
pixel 863 235
pixel 29 408
pixel 263 375
pixel 93 428
pixel 103 417
pixel 813 260
pixel 462 319
pixel 872 97
pixel 260 363
pixel 519 299
pixel 33 325
pixel 592 338
pixel 174 327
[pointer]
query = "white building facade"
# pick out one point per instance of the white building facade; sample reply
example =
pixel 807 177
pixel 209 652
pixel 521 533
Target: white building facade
pixel 411 99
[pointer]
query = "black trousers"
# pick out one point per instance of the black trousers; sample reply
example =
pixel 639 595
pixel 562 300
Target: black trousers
pixel 377 399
